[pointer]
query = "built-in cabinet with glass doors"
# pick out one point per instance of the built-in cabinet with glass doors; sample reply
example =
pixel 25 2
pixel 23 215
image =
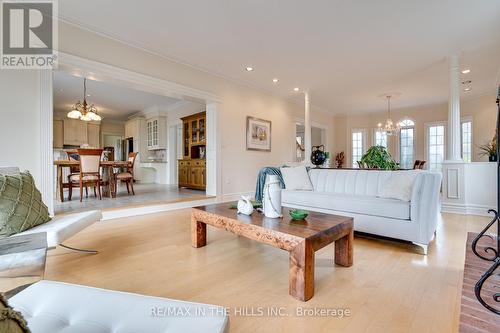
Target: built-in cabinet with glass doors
pixel 192 166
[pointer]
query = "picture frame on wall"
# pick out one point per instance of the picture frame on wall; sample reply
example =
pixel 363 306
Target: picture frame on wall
pixel 258 134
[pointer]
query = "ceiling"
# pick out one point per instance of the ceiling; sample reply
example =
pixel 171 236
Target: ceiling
pixel 112 102
pixel 346 53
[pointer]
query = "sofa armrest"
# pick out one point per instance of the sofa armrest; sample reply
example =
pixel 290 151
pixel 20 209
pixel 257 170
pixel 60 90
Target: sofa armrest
pixel 425 203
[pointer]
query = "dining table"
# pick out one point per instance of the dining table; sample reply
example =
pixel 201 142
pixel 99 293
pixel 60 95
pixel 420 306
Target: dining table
pixel 107 176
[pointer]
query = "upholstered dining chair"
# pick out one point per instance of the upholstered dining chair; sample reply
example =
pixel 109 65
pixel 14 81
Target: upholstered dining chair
pixel 127 175
pixel 89 175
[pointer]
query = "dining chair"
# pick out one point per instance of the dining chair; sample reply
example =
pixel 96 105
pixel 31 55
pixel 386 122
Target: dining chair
pixel 75 170
pixel 127 176
pixel 89 175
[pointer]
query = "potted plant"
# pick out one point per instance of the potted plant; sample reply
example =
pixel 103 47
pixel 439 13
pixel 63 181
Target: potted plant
pixel 377 157
pixel 489 149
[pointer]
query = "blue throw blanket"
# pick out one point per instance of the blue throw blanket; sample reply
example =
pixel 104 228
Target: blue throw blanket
pixel 261 179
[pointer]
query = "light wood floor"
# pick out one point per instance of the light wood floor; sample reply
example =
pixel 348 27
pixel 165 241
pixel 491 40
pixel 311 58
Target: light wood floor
pixel 390 288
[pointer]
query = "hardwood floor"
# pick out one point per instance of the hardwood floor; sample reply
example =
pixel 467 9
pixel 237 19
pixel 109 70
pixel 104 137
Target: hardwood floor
pixel 390 287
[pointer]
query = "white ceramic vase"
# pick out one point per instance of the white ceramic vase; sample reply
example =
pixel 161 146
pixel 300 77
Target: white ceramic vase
pixel 271 202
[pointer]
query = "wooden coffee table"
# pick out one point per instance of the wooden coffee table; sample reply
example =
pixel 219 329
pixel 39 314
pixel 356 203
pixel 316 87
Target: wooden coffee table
pixel 300 238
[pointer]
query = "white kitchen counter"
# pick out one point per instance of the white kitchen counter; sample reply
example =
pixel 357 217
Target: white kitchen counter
pixel 154 172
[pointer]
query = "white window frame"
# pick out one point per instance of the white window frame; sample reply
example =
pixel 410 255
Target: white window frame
pixel 353 163
pixel 427 143
pixel 466 120
pixel 414 138
pixel 375 131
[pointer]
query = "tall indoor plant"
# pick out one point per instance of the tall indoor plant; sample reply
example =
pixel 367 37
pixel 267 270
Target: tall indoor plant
pixel 377 157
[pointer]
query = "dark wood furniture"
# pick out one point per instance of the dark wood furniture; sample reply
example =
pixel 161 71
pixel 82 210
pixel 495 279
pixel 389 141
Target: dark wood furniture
pixel 192 166
pixel 474 318
pixel 89 174
pixel 301 238
pixel 127 175
pixel 107 168
pixel 418 164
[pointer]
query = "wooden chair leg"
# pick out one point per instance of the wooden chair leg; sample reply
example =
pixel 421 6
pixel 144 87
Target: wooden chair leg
pixel 132 187
pixel 70 190
pixel 86 192
pixel 99 189
pixel 95 194
pixel 81 190
pixel 128 189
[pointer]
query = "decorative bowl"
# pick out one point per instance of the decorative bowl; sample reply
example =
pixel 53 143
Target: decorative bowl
pixel 298 214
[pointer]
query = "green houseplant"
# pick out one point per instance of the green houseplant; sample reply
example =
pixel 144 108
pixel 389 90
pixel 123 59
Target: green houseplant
pixel 489 149
pixel 377 157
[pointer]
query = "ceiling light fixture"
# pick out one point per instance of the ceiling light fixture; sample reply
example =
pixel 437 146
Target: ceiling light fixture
pixel 466 71
pixel 249 69
pixel 468 89
pixel 389 128
pixel 275 80
pixel 84 111
pixel 296 89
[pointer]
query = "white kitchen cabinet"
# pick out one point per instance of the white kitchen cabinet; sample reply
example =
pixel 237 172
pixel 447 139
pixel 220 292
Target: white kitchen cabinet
pixel 75 132
pixel 93 135
pixel 156 133
pixel 58 139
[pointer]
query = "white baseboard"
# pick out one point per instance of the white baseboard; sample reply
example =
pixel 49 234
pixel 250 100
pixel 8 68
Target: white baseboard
pixel 478 210
pixel 236 196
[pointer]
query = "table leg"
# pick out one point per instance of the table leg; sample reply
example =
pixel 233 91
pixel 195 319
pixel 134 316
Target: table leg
pixel 301 273
pixel 198 233
pixel 59 192
pixel 111 183
pixel 343 250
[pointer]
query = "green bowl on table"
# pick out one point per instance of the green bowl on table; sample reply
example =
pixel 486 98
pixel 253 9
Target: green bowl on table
pixel 298 214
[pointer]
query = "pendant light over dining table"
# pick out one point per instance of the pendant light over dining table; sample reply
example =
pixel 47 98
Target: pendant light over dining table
pixel 84 111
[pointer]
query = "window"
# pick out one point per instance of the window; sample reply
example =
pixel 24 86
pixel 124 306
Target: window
pixel 406 143
pixel 467 141
pixel 380 138
pixel 435 147
pixel 357 147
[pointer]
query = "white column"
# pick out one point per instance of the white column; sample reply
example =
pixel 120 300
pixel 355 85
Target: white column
pixel 453 151
pixel 307 128
pixel 47 183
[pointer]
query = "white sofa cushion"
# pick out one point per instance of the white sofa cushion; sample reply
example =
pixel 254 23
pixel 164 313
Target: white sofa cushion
pixel 57 307
pixel 65 226
pixel 399 186
pixel 360 204
pixel 296 178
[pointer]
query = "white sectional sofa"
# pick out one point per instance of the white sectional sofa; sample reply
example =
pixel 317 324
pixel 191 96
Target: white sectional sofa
pixel 56 307
pixel 356 193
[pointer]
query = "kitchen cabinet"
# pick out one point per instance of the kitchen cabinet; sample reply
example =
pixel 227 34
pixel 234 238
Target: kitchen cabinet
pixel 156 133
pixel 192 174
pixel 58 138
pixel 192 167
pixel 93 135
pixel 75 132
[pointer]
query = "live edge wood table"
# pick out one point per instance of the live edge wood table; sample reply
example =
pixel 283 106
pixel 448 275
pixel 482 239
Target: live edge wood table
pixel 301 238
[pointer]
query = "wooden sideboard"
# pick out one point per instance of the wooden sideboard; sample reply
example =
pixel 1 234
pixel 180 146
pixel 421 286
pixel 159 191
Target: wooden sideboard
pixel 192 167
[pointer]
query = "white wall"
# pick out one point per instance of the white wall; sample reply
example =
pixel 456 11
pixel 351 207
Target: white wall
pixel 239 166
pixel 20 120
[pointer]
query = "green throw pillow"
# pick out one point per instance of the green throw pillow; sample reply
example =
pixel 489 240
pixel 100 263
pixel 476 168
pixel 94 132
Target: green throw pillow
pixel 11 321
pixel 21 205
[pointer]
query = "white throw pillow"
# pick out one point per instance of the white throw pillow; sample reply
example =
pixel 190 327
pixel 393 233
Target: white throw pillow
pixel 399 185
pixel 296 178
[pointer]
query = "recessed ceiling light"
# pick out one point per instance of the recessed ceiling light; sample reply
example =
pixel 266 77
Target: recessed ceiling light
pixel 296 89
pixel 249 69
pixel 467 82
pixel 275 80
pixel 468 89
pixel 466 71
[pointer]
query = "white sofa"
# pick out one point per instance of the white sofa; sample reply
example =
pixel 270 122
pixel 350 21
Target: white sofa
pixel 56 307
pixel 355 193
pixel 61 227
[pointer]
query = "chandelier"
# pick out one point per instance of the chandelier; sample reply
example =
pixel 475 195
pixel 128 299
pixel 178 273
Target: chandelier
pixel 84 111
pixel 389 127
